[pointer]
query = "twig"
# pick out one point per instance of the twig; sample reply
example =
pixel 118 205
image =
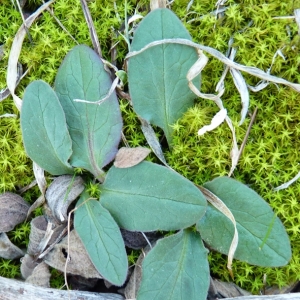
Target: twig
pixel 61 25
pixel 245 137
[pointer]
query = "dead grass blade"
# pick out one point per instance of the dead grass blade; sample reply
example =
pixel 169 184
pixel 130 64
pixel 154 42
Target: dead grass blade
pixel 23 20
pixel 61 25
pixel 90 23
pixel 152 141
pixel 217 120
pixel 238 155
pixel 12 68
pixel 241 86
pixel 221 57
pixel 221 206
pixel 40 178
pixel 287 184
pixel 8 116
pixel 5 93
pixel 297 18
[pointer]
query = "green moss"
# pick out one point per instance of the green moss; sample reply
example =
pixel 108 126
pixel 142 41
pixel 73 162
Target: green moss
pixel 9 268
pixel 57 279
pixel 271 154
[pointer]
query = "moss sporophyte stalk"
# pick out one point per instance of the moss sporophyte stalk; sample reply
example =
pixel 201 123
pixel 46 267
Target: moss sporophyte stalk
pixel 270 156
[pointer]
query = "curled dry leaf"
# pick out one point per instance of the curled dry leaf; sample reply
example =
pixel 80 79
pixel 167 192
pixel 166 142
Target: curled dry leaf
pixel 137 240
pixel 40 276
pixel 79 264
pixel 134 282
pixel 134 18
pixel 13 211
pixel 229 289
pixel 37 203
pixel 129 157
pixel 37 234
pixel 7 249
pixel 217 120
pixel 42 234
pixel 28 263
pixel 61 193
pixel 40 177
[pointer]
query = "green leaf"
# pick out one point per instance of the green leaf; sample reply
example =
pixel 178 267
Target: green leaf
pixel 44 130
pixel 263 240
pixel 157 77
pixel 176 268
pixel 95 129
pixel 102 239
pixel 150 197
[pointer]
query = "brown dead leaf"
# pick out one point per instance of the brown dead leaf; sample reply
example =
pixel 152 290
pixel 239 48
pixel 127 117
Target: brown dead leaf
pixel 275 290
pixel 42 234
pixel 229 289
pixel 7 249
pixel 27 265
pixel 134 282
pixel 40 276
pixel 79 264
pixel 129 157
pixel 61 193
pixel 13 211
pixel 37 233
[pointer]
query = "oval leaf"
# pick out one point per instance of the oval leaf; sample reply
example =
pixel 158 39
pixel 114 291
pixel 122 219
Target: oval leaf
pixel 176 268
pixel 45 134
pixel 95 129
pixel 102 240
pixel 150 197
pixel 157 77
pixel 263 240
